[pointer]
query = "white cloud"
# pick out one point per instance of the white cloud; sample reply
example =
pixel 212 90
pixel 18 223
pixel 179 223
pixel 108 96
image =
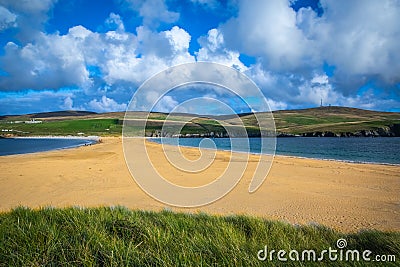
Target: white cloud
pixel 360 39
pixel 153 12
pixel 166 104
pixel 105 104
pixel 178 38
pixel 68 103
pixel 277 105
pixel 55 61
pixel 79 32
pixel 114 21
pixel 152 53
pixel 30 16
pixel 320 79
pixel 284 90
pixel 267 29
pixel 29 6
pixel 7 19
pixel 213 49
pixel 312 93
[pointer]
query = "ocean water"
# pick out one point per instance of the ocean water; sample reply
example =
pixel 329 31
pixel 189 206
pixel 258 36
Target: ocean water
pixel 11 146
pixel 372 150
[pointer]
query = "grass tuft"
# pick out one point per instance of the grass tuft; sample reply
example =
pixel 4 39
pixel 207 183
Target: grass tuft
pixel 120 237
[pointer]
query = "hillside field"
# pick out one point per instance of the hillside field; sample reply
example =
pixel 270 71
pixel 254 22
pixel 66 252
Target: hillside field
pixel 335 120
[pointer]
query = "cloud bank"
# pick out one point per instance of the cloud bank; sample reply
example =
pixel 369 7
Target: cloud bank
pixel 346 55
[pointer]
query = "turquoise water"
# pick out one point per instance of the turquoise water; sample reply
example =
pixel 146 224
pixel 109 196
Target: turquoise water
pixel 10 146
pixel 372 150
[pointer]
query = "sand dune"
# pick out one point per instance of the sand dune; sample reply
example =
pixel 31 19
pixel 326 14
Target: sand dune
pixel 345 196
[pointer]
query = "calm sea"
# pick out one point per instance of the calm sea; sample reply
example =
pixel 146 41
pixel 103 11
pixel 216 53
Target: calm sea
pixel 374 150
pixel 10 146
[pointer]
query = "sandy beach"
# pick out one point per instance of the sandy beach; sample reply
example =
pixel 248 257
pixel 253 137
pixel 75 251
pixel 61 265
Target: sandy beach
pixel 345 196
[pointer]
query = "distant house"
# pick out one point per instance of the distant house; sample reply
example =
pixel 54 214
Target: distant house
pixel 33 121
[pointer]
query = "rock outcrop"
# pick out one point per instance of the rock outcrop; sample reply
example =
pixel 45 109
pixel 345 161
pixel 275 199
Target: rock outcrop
pixel 389 131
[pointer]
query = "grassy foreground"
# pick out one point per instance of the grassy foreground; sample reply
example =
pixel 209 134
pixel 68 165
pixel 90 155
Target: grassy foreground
pixel 121 237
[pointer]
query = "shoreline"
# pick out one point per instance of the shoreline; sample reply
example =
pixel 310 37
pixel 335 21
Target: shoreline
pixel 149 139
pixel 344 196
pixel 342 160
pixel 91 137
pixel 93 140
pixel 97 140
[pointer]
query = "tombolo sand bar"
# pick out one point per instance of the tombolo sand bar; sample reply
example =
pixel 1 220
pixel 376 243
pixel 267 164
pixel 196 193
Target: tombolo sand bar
pixel 345 196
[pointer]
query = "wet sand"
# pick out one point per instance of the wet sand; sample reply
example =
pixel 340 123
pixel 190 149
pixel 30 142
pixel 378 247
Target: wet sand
pixel 345 196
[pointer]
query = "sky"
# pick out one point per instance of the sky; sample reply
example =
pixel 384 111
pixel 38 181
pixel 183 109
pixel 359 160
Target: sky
pixel 93 55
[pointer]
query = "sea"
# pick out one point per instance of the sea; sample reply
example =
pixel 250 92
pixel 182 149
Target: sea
pixel 11 146
pixel 382 150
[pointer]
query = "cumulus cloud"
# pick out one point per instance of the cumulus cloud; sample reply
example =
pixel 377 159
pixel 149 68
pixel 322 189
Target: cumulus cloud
pixel 68 103
pixel 106 104
pixel 213 49
pixel 52 62
pixel 152 53
pixel 267 29
pixel 166 104
pixel 153 12
pixel 277 105
pixel 30 16
pixel 55 60
pixel 178 38
pixel 115 22
pixel 7 19
pixel 284 90
pixel 359 39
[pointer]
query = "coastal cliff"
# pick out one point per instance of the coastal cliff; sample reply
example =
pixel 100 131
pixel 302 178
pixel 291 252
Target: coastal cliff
pixel 389 131
pixel 312 122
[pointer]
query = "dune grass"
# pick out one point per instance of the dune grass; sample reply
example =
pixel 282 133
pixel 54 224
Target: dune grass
pixel 121 237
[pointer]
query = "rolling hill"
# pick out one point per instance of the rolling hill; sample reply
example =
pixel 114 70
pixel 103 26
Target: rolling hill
pixel 342 121
pixel 321 121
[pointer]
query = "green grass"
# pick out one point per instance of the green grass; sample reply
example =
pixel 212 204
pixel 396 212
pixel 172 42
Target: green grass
pixel 324 119
pixel 304 120
pixel 333 119
pixel 67 127
pixel 122 237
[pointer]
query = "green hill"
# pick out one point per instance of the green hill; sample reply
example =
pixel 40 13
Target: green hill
pixel 337 120
pixel 321 121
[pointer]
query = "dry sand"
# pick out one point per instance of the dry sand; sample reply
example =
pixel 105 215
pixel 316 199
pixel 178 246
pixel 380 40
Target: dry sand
pixel 345 196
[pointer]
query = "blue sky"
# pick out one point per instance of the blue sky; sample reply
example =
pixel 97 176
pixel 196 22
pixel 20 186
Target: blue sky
pixel 93 55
